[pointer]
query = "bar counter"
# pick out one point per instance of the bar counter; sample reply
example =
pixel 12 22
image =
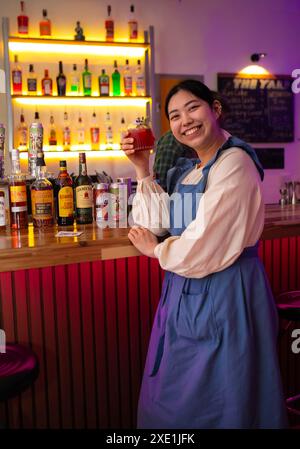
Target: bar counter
pixel 34 248
pixel 86 304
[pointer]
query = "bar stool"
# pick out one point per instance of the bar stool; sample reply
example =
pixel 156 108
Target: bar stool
pixel 288 306
pixel 19 368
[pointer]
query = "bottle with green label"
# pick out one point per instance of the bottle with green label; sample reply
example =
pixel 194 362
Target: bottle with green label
pixel 83 187
pixel 103 84
pixel 74 81
pixel 116 80
pixel 86 80
pixel 64 203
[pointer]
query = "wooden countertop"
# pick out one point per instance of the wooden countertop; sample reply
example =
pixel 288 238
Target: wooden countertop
pixel 34 248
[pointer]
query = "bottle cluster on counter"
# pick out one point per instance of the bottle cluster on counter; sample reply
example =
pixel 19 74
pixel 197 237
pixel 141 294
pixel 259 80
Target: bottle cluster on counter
pixel 72 132
pixel 45 26
pixel 64 199
pixel 129 81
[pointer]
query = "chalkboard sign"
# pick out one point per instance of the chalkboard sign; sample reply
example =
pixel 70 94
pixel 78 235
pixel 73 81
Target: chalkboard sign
pixel 261 107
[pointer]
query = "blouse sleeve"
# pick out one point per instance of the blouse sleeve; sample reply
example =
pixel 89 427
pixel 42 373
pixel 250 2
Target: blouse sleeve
pixel 229 218
pixel 150 206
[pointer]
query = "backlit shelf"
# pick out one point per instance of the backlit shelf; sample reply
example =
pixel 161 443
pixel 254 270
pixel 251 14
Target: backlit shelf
pixel 72 47
pixel 93 100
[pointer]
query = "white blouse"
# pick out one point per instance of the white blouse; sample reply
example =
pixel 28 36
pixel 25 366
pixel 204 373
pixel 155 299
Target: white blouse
pixel 230 217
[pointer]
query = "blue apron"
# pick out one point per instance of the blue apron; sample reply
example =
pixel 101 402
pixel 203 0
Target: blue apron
pixel 212 357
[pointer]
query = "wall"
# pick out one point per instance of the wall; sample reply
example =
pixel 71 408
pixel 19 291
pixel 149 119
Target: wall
pixel 195 36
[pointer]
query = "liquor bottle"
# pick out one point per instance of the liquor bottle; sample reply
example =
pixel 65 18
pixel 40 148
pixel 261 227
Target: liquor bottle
pixel 74 81
pixel 37 117
pixel 108 131
pixel 64 202
pixel 42 198
pixel 23 20
pixel 103 80
pixel 95 132
pixel 123 128
pixel 80 131
pixel 109 26
pixel 17 77
pixel 139 80
pixel 22 132
pixel 17 194
pixel 52 132
pixel 83 194
pixel 116 80
pixel 2 211
pixel 2 141
pixel 45 25
pixel 66 133
pixel 86 80
pixel 47 84
pixel 132 25
pixel 127 78
pixel 61 81
pixel 31 81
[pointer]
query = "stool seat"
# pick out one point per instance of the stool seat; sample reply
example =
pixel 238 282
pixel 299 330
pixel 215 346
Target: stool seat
pixel 19 368
pixel 288 305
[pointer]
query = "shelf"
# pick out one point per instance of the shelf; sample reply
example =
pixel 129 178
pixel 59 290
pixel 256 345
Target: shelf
pixel 61 46
pixel 41 100
pixel 74 154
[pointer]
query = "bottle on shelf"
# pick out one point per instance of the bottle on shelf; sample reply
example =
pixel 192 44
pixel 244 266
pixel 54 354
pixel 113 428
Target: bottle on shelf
pixel 66 133
pixel 139 80
pixel 108 132
pixel 16 77
pixel 123 128
pixel 74 81
pixel 36 139
pixel 36 118
pixel 52 132
pixel 45 24
pixel 47 84
pixel 22 133
pixel 23 20
pixel 95 132
pixel 83 187
pixel 86 80
pixel 17 194
pixel 127 78
pixel 2 211
pixel 80 131
pixel 42 198
pixel 109 26
pixel 64 202
pixel 31 81
pixel 103 80
pixel 132 25
pixel 61 81
pixel 116 80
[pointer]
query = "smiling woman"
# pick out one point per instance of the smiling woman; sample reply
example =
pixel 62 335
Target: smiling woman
pixel 212 357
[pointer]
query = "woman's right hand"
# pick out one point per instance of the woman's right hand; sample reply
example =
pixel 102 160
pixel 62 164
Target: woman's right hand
pixel 139 158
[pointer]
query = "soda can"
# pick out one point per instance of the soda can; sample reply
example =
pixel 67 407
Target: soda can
pixel 2 140
pixel 101 197
pixel 35 146
pixel 126 181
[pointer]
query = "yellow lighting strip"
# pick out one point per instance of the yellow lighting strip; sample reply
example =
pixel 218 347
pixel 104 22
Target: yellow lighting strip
pixel 82 101
pixel 253 70
pixel 73 49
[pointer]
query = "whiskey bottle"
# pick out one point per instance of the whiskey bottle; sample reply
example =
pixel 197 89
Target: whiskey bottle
pixel 116 80
pixel 31 81
pixel 103 84
pixel 83 194
pixel 127 78
pixel 61 81
pixel 52 132
pixel 42 199
pixel 86 80
pixel 109 26
pixel 64 196
pixel 17 194
pixel 47 84
pixel 45 25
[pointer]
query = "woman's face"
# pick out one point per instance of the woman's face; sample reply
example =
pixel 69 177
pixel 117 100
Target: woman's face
pixel 193 122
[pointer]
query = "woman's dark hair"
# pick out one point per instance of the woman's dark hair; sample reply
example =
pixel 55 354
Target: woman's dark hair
pixel 195 87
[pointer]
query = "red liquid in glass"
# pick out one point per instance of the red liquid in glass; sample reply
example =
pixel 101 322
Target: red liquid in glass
pixel 143 138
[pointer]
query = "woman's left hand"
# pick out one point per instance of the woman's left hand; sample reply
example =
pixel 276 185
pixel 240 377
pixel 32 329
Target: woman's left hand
pixel 143 240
